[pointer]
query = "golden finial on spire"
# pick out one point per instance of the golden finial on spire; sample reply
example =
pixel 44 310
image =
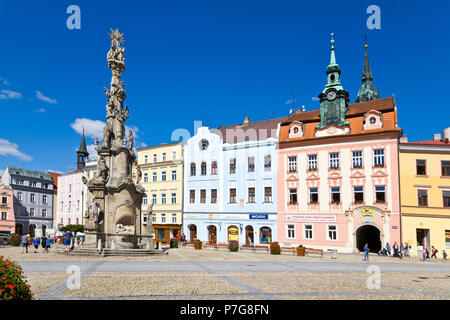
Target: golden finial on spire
pixel 116 38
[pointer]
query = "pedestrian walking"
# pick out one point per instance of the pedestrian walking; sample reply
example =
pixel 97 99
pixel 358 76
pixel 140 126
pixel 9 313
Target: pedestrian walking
pixel 388 248
pixel 67 240
pixel 25 243
pixel 402 250
pixel 44 243
pixel 427 254
pixel 366 252
pixel 406 249
pixel 36 245
pixel 433 252
pixel 444 255
pixel 48 244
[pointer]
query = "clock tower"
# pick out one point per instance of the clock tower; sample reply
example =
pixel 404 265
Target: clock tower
pixel 333 98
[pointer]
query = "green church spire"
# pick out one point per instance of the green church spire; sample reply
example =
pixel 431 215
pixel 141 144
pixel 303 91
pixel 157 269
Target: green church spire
pixel 367 91
pixel 333 98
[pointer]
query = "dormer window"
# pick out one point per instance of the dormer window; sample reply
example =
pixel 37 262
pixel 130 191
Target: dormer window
pixel 373 120
pixel 296 130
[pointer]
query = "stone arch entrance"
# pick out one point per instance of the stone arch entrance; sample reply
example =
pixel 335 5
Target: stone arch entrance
pixel 31 229
pixel 19 228
pixel 249 236
pixel 369 234
pixel 192 232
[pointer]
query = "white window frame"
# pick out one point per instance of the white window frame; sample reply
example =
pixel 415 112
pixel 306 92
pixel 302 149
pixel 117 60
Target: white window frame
pixel 357 160
pixel 292 163
pixel 288 229
pixel 154 176
pixel 174 218
pixel 334 161
pixel 174 175
pixel 312 232
pixel 377 158
pixel 328 232
pixel 145 177
pixel 174 155
pixel 312 162
pixel 174 198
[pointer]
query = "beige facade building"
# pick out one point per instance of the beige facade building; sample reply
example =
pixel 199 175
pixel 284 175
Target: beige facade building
pixel 162 178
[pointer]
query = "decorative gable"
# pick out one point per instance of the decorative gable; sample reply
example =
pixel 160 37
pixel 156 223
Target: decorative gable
pixel 373 120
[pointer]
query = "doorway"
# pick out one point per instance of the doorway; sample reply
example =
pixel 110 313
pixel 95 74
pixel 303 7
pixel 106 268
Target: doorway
pixel 233 233
pixel 368 234
pixel 31 230
pixel 192 232
pixel 19 228
pixel 249 236
pixel 423 238
pixel 212 235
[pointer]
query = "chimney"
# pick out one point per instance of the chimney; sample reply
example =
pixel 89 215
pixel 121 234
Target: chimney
pixel 446 134
pixel 437 137
pixel 246 120
pixel 404 139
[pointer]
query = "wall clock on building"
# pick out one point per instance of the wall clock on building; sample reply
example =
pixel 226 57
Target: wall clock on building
pixel 331 95
pixel 204 144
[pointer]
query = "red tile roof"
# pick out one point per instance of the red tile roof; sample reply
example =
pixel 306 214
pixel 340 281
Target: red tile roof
pixel 428 142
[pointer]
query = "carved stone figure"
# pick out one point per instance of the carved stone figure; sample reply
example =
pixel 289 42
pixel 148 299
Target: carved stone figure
pixel 138 175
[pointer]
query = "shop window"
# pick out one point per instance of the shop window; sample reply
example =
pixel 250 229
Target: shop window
pixel 265 235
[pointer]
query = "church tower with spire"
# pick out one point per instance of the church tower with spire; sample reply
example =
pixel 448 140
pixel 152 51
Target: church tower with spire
pixel 367 91
pixel 333 98
pixel 82 154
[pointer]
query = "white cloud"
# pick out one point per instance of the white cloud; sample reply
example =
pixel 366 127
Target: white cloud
pixel 4 81
pixel 315 99
pixel 92 152
pixel 40 110
pixel 92 128
pixel 54 171
pixel 41 96
pixel 9 148
pixel 288 102
pixel 144 145
pixel 8 94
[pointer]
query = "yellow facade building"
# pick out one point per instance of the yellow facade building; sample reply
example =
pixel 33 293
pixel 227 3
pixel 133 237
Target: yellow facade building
pixel 162 178
pixel 425 193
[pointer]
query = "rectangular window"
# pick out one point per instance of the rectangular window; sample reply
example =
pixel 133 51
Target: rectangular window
pixel 313 195
pixel 378 158
pixel 19 196
pixel 445 165
pixel 44 213
pixel 251 164
pixel 145 177
pixel 202 196
pixel 447 239
pixel 44 199
pixel 32 197
pixel 174 218
pixel 69 206
pixel 267 194
pixel 232 195
pixel 78 221
pixel 380 194
pixel 357 159
pixel 174 198
pixel 446 198
pixel 358 193
pixel 312 162
pixel 68 220
pixel 267 162
pixel 423 198
pixel 164 157
pixel 154 177
pixel 144 200
pixel 163 198
pixel 334 160
pixel 336 195
pixel 251 195
pixel 421 167
pixel 153 218
pixel 33 184
pixel 31 212
pixel 4 215
pixel 214 167
pixel 291 231
pixel 213 195
pixel 308 231
pixel 232 165
pixel 154 198
pixel 146 159
pixel 292 161
pixel 192 196
pixel 163 176
pixel 332 232
pixel 293 196
pixel 78 204
pixel 203 169
pixel 163 218
pixel 174 155
pixel 193 167
pixel 19 182
pixel 174 175
pixel 61 206
pixel 155 158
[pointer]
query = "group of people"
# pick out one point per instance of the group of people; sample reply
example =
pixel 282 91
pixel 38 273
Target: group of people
pixel 44 241
pixel 426 254
pixel 406 251
pixel 181 239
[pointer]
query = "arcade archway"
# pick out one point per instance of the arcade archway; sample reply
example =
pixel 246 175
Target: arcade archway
pixel 368 234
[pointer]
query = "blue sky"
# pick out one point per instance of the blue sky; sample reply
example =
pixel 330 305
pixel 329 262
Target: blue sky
pixel 212 61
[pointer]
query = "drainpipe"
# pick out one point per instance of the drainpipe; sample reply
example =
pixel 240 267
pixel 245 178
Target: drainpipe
pixel 399 190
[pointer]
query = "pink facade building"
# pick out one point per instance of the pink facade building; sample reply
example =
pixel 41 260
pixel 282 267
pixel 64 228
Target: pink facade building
pixel 338 181
pixel 70 199
pixel 7 219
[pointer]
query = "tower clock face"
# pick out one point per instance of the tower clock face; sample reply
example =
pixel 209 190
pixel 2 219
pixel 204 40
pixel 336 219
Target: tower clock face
pixel 331 95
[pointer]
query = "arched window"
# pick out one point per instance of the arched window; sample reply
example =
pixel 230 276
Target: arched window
pixel 203 173
pixel 193 169
pixel 192 232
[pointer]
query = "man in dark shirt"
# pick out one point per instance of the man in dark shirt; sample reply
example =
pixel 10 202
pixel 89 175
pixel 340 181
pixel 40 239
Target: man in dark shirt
pixel 67 240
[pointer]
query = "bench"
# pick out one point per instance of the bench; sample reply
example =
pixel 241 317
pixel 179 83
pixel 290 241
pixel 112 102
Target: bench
pixel 318 252
pixel 289 250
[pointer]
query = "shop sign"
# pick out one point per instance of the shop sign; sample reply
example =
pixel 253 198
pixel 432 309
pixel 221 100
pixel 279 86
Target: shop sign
pixel 311 218
pixel 394 227
pixel 259 216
